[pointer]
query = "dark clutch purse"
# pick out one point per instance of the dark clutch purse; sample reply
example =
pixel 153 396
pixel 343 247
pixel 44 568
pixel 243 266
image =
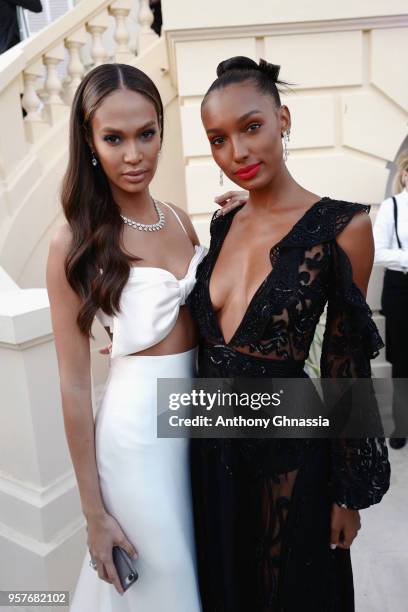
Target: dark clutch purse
pixel 125 567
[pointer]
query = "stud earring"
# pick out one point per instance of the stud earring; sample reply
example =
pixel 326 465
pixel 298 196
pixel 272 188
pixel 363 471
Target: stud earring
pixel 94 161
pixel 221 178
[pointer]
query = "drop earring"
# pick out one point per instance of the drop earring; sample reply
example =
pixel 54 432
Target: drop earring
pixel 221 178
pixel 286 135
pixel 94 161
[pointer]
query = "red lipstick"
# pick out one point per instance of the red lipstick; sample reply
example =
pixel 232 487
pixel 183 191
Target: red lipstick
pixel 248 172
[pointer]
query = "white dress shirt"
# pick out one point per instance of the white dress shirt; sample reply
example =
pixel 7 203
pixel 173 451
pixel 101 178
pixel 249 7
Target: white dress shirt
pixel 387 252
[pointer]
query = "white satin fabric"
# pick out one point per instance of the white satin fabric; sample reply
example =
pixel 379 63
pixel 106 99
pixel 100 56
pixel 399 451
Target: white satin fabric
pixel 145 481
pixel 149 306
pixel 145 484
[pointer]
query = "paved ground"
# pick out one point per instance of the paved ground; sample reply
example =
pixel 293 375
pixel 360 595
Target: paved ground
pixel 380 552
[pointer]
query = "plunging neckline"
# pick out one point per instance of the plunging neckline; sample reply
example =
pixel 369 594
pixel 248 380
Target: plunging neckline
pixel 262 284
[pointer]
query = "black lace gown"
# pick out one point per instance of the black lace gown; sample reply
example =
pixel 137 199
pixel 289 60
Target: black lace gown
pixel 262 507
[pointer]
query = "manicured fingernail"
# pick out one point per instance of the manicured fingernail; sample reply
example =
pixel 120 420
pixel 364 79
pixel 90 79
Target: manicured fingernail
pixel 333 546
pixel 135 556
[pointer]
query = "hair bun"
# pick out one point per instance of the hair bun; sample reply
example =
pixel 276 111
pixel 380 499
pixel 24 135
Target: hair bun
pixel 245 64
pixel 271 70
pixel 239 62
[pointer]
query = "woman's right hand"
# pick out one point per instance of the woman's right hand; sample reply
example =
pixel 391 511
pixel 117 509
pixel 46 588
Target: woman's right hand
pixel 230 200
pixel 104 533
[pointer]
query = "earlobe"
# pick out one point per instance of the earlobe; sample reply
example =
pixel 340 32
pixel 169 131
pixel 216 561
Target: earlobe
pixel 285 119
pixel 285 129
pixel 92 154
pixel 89 142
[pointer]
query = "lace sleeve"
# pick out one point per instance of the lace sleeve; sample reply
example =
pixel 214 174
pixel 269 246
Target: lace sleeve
pixel 360 468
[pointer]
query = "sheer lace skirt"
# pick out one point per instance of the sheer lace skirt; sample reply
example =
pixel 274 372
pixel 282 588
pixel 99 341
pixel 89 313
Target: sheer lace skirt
pixel 263 540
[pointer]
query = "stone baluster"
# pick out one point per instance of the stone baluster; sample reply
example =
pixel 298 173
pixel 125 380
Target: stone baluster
pixel 96 28
pixel 147 36
pixel 34 122
pixel 120 11
pixel 54 103
pixel 75 68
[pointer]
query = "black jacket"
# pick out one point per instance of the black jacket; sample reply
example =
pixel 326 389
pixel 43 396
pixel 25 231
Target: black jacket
pixel 9 32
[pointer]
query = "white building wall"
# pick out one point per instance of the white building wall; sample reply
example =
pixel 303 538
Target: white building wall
pixel 180 15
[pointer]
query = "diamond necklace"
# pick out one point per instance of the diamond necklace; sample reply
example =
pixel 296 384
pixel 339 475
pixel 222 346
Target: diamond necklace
pixel 147 227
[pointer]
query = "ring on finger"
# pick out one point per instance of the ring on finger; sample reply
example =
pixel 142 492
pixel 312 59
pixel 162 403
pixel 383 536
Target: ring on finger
pixel 93 564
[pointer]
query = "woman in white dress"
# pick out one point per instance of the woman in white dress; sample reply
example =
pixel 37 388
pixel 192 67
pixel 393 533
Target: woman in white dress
pixel 134 488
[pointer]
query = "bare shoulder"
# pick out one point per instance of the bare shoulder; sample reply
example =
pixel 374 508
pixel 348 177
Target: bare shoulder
pixel 358 231
pixel 61 241
pixel 57 253
pixel 357 241
pixel 181 213
pixel 186 221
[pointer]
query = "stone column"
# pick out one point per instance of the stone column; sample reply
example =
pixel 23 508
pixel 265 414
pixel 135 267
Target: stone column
pixel 42 530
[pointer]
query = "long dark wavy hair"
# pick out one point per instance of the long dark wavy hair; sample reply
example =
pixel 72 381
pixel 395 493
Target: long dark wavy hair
pixel 96 267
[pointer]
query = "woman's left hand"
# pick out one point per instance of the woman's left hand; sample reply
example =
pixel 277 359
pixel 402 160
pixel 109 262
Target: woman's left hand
pixel 230 200
pixel 106 350
pixel 345 524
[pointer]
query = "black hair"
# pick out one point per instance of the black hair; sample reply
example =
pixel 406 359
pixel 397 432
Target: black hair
pixel 238 69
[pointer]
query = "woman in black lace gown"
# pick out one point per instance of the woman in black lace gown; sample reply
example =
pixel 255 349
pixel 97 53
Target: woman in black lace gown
pixel 275 518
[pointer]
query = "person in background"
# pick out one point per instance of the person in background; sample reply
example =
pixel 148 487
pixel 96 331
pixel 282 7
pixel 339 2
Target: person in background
pixel 391 251
pixel 155 6
pixel 9 30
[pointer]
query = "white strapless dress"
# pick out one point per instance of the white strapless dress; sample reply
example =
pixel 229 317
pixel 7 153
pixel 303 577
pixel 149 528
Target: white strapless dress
pixel 145 480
